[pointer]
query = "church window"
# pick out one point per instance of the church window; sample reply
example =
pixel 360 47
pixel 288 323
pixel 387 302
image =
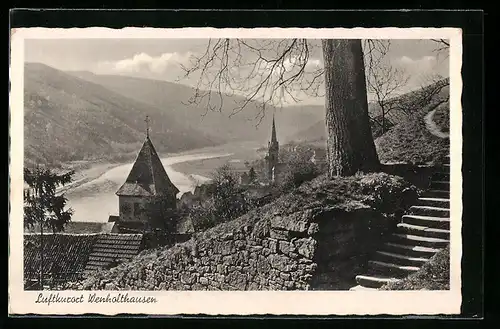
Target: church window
pixel 137 209
pixel 126 208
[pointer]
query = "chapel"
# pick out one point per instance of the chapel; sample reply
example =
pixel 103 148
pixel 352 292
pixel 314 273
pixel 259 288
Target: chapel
pixel 146 184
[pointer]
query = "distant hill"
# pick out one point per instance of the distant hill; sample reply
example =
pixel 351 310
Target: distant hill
pixel 67 118
pixel 243 126
pixel 411 101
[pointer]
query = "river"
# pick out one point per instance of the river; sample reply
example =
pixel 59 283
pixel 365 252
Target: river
pixel 95 200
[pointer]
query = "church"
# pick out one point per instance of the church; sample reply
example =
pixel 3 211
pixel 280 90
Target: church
pixel 147 200
pixel 273 165
pixel 146 183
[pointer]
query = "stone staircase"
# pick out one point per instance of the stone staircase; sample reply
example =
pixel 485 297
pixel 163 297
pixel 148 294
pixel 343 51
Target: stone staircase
pixel 423 231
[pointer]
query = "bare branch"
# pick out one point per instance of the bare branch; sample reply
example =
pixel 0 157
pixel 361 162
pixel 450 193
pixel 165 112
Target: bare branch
pixel 266 73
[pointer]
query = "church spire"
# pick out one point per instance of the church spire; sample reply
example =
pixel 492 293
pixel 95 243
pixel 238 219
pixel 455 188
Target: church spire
pixel 273 133
pixel 147 126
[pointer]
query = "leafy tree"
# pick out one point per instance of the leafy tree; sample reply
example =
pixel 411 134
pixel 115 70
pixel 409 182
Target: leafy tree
pixel 299 168
pixel 226 200
pixel 252 175
pixel 43 208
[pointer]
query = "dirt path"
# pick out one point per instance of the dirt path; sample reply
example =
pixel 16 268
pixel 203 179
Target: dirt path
pixel 432 127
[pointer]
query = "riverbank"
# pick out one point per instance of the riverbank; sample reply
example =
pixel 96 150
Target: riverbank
pixel 240 155
pixel 87 173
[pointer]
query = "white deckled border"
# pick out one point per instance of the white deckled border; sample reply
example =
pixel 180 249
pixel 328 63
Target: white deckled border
pixel 240 302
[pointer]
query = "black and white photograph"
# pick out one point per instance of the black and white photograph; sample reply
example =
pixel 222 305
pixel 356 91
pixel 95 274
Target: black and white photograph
pixel 218 162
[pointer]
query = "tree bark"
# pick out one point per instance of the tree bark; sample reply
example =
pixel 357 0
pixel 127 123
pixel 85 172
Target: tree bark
pixel 350 145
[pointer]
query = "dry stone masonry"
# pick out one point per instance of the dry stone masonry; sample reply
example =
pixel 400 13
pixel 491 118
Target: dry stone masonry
pixel 303 241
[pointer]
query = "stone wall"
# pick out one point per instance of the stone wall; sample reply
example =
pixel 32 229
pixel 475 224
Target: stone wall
pixel 305 250
pixel 317 237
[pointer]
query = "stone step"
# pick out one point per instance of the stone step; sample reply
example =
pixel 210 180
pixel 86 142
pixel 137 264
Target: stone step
pixel 410 250
pixel 427 221
pixel 373 281
pixel 424 231
pixel 440 185
pixel 440 176
pixel 430 210
pixel 392 270
pixel 422 241
pixel 443 168
pixel 361 288
pixel 433 193
pixel 438 202
pixel 399 259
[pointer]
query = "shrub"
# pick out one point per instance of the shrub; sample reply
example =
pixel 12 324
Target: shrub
pixel 389 194
pixel 226 200
pixel 299 168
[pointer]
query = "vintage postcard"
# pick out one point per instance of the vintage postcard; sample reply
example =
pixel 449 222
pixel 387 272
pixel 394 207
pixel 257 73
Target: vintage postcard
pixel 235 171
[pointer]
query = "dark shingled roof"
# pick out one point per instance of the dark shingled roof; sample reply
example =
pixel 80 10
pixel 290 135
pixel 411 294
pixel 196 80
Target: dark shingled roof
pixel 148 176
pixel 69 256
pixel 112 249
pixel 78 228
pixel 65 255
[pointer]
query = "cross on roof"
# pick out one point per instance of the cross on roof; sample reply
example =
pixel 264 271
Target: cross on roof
pixel 147 125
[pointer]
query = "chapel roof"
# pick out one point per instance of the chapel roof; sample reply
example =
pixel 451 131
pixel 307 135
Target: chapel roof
pixel 147 176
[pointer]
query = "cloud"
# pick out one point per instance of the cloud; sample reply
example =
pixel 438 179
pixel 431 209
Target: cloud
pixel 423 64
pixel 145 63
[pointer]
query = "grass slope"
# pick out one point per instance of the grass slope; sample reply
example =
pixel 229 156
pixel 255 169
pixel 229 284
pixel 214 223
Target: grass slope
pixel 317 131
pixel 411 142
pixel 67 118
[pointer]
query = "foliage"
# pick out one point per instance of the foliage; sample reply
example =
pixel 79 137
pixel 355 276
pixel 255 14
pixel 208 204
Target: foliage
pixel 226 202
pixel 252 175
pixel 299 167
pixel 377 128
pixel 411 142
pixel 42 206
pixel 389 194
pixel 442 118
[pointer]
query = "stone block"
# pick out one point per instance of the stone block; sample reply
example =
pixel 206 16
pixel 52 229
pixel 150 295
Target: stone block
pixel 187 278
pixel 273 245
pixel 285 247
pixel 278 262
pixel 237 280
pixel 306 247
pixel 285 276
pixel 253 286
pixel 262 265
pixel 228 260
pixel 279 234
pixel 313 228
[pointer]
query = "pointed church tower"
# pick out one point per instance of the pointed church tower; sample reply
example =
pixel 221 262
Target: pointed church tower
pixel 147 181
pixel 272 152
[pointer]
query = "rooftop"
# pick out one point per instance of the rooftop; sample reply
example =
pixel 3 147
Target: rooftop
pixel 147 176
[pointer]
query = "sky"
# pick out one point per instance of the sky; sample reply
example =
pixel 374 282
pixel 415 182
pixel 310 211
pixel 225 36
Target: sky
pixel 162 58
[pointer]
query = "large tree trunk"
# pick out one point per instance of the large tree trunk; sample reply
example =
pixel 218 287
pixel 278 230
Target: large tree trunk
pixel 350 146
